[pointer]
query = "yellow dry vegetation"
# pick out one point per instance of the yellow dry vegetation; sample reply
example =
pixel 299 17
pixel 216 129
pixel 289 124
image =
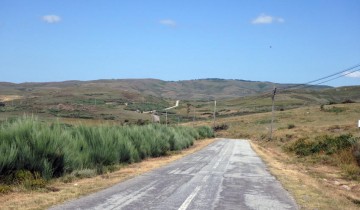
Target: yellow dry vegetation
pixel 310 189
pixel 9 97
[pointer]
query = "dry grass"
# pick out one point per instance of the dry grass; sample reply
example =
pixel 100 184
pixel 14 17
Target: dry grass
pixel 309 187
pixel 58 192
pixel 9 97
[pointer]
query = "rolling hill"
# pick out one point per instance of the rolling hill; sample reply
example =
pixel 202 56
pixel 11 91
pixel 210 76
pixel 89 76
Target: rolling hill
pixel 124 100
pixel 185 90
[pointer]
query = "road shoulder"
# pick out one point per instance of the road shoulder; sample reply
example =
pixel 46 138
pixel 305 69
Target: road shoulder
pixel 309 190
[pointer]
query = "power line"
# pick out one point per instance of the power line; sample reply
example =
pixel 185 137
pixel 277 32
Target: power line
pixel 342 73
pixel 322 82
pixel 316 80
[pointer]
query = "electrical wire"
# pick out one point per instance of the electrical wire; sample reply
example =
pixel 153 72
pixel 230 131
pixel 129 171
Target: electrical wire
pixel 308 84
pixel 316 80
pixel 322 82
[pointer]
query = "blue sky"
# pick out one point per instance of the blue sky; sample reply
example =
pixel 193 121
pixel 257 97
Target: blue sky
pixel 263 40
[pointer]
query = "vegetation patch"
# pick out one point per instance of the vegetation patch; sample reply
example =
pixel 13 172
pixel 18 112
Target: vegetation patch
pixel 322 144
pixel 333 109
pixel 4 189
pixel 32 151
pixel 145 107
pixel 342 151
pixel 291 126
pixel 221 127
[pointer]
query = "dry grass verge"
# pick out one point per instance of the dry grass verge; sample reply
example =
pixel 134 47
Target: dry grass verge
pixel 59 192
pixel 312 188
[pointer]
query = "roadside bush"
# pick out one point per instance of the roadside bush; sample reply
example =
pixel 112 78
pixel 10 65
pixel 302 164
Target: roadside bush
pixel 291 126
pixel 205 132
pixel 335 109
pixel 325 144
pixel 348 101
pixel 33 151
pixel 4 189
pixel 356 152
pixel 220 127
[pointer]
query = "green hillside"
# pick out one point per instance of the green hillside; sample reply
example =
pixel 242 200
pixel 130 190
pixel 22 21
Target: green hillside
pixel 123 101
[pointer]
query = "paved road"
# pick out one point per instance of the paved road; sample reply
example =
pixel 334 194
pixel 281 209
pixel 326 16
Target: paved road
pixel 225 175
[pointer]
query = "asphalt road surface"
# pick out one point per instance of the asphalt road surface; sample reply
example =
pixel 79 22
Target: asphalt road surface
pixel 227 174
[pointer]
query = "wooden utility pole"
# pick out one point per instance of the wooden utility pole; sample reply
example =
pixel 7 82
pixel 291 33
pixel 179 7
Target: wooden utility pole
pixel 272 113
pixel 166 121
pixel 214 112
pixel 194 115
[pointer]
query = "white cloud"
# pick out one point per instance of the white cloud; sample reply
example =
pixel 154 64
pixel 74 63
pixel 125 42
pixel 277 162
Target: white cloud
pixel 267 19
pixel 168 22
pixel 355 74
pixel 51 18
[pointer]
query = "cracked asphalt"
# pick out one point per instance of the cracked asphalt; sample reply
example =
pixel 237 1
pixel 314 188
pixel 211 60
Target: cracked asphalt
pixel 227 174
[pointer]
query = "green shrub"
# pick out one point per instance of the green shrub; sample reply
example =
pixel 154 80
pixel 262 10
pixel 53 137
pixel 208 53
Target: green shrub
pixel 356 152
pixel 34 184
pixel 335 109
pixel 325 144
pixel 84 173
pixel 68 178
pixel 22 175
pixel 4 189
pixel 205 132
pixel 291 126
pixel 29 147
pixel 220 127
pixel 301 147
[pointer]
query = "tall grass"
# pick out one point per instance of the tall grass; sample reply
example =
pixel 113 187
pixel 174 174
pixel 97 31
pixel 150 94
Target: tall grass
pixel 53 150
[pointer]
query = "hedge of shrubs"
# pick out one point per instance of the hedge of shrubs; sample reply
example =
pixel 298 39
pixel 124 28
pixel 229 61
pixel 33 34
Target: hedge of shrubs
pixel 52 150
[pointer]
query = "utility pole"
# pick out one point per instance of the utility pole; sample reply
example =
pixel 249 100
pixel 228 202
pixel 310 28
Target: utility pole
pixel 272 113
pixel 193 115
pixel 166 118
pixel 214 112
pixel 176 105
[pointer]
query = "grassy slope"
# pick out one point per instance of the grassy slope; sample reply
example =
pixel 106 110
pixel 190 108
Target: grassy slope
pixel 104 100
pixel 188 89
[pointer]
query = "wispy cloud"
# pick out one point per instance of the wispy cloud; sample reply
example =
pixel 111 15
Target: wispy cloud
pixel 267 19
pixel 51 18
pixel 168 22
pixel 355 74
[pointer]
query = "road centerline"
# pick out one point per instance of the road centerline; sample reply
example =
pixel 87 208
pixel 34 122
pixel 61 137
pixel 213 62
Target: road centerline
pixel 188 200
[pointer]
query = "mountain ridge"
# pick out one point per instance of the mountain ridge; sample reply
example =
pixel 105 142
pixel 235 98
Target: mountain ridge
pixel 183 89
